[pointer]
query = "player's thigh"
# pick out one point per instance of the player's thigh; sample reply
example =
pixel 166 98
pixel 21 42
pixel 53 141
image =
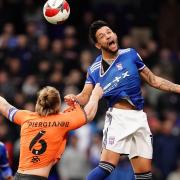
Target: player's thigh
pixel 140 164
pixel 110 156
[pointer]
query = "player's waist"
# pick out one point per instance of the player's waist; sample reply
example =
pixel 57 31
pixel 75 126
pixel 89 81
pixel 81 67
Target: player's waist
pixel 124 104
pixel 42 171
pixel 29 176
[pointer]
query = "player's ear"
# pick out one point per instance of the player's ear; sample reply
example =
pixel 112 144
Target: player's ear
pixel 98 45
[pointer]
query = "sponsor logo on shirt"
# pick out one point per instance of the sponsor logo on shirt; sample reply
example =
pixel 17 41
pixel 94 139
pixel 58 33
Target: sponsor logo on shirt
pixel 114 83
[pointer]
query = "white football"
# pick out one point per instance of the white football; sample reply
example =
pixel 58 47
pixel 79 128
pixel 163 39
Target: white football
pixel 56 11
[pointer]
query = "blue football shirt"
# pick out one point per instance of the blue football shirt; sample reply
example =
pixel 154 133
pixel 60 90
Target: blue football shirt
pixel 121 80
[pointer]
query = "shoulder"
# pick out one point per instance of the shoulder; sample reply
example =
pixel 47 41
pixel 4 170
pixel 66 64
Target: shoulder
pixel 96 64
pixel 128 51
pixel 76 107
pixel 26 112
pixel 125 51
pixel 20 112
pixel 20 116
pixel 26 115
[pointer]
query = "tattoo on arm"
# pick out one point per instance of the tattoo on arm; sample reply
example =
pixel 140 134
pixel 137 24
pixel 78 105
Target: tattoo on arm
pixel 158 82
pixel 148 76
pixel 167 85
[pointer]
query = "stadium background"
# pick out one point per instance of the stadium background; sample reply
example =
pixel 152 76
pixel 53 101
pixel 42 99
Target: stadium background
pixel 34 53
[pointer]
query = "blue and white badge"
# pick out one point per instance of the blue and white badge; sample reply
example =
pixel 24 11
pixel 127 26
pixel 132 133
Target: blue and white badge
pixel 119 66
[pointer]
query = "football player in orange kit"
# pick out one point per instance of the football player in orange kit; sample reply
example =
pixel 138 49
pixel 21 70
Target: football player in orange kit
pixel 44 132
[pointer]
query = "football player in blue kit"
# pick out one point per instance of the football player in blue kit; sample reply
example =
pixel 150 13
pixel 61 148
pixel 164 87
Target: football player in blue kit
pixel 5 170
pixel 126 130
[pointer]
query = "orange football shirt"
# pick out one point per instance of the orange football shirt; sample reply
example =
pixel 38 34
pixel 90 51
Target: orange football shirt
pixel 43 139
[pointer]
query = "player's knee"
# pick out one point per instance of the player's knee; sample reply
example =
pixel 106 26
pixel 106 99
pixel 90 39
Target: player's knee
pixel 143 176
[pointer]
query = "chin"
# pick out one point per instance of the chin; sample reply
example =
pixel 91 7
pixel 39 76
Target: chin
pixel 113 50
pixel 109 50
pixel 116 50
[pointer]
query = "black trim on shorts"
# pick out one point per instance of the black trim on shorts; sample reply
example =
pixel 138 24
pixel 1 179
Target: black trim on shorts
pixel 124 154
pixel 20 176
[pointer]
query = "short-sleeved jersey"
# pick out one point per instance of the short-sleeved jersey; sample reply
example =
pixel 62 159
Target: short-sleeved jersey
pixel 43 139
pixel 121 80
pixel 5 169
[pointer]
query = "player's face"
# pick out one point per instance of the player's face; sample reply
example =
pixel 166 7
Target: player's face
pixel 106 40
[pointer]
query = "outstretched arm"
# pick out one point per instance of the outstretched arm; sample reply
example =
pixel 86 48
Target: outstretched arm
pixel 82 97
pixel 5 107
pixel 158 82
pixel 92 105
pixel 79 118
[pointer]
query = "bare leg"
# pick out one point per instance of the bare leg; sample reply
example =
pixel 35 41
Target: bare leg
pixel 142 168
pixel 110 156
pixel 141 164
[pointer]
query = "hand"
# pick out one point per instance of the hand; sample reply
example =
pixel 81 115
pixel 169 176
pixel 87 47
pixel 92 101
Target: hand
pixel 70 99
pixel 98 91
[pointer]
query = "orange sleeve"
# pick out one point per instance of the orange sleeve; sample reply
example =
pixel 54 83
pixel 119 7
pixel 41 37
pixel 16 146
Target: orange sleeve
pixel 76 117
pixel 20 116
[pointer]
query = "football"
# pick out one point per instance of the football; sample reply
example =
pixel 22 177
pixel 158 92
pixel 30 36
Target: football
pixel 56 11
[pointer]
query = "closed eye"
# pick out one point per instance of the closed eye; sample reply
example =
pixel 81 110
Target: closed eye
pixel 101 36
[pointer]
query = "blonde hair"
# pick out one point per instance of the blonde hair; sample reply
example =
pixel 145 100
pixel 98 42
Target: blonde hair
pixel 48 101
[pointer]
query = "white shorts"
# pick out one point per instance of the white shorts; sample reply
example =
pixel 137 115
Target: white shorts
pixel 127 132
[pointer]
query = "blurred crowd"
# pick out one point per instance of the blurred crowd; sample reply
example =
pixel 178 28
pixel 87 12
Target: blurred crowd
pixel 34 54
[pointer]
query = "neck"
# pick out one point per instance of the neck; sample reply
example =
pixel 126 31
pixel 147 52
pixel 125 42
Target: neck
pixel 109 57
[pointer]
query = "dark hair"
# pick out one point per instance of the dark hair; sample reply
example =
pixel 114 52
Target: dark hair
pixel 94 27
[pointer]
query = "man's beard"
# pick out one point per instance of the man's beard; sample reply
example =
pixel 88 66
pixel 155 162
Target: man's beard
pixel 107 49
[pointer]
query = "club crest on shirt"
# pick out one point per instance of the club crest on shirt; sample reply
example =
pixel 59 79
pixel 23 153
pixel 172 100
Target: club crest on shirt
pixel 119 66
pixel 111 140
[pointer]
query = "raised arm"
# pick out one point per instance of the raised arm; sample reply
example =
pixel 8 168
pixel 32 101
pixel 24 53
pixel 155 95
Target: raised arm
pixel 5 107
pixel 82 97
pixel 158 82
pixel 77 116
pixel 92 105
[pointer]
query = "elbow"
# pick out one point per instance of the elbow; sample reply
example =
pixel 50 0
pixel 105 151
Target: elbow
pixel 153 82
pixel 154 85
